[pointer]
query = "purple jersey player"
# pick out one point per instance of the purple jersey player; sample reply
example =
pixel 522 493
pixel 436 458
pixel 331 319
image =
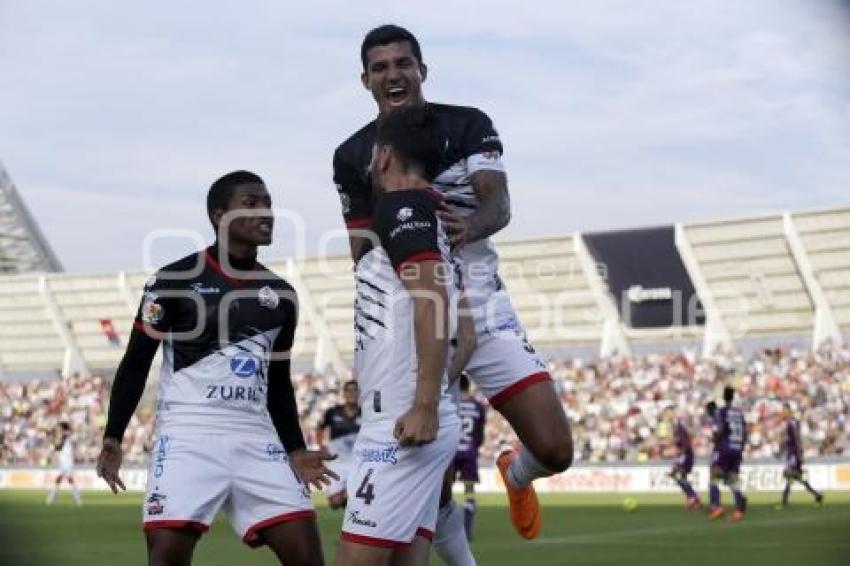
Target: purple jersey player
pixel 473 414
pixel 730 436
pixel 793 449
pixel 684 460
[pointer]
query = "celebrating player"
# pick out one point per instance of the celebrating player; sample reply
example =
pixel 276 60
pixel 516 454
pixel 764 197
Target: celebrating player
pixel 472 180
pixel 730 438
pixel 473 415
pixel 337 432
pixel 405 286
pixel 684 461
pixel 64 459
pixel 793 449
pixel 225 401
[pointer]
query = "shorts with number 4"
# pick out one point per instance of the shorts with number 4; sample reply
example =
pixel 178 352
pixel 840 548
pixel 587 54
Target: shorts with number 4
pixel 394 492
pixel 193 476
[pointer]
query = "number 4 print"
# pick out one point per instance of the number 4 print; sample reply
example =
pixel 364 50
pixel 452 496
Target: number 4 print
pixel 366 491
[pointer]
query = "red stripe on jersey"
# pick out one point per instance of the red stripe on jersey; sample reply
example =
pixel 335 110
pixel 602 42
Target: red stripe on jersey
pixel 252 535
pixel 518 387
pixel 372 541
pixel 358 222
pixel 418 257
pixel 213 262
pixel 196 526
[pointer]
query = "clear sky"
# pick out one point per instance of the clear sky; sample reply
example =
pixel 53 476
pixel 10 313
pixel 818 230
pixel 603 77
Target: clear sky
pixel 115 117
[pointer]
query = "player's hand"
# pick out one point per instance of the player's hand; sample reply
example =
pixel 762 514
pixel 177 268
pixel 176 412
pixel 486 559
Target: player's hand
pixel 454 225
pixel 109 462
pixel 309 466
pixel 417 426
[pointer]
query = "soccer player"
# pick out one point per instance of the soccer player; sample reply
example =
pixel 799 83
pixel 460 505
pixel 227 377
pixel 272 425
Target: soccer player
pixel 684 461
pixel 228 435
pixel 64 460
pixel 406 283
pixel 793 449
pixel 337 433
pixel 473 183
pixel 473 415
pixel 730 438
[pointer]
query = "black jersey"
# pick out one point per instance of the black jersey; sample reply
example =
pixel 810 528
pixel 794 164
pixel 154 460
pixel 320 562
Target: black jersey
pixel 342 429
pixel 219 335
pixel 470 132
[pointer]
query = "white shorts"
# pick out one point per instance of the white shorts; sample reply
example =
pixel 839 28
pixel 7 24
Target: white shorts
pixel 192 476
pixel 504 363
pixel 341 467
pixel 394 492
pixel 65 469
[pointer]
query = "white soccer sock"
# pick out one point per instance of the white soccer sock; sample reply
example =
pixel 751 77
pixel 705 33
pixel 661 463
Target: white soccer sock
pixel 450 537
pixel 51 495
pixel 525 468
pixel 75 493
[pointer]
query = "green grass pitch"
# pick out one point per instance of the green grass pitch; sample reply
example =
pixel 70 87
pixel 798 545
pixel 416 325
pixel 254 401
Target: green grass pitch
pixel 577 529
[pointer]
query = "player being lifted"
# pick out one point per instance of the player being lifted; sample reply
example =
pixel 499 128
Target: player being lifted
pixel 472 180
pixel 337 433
pixel 792 447
pixel 730 437
pixel 228 435
pixel 473 416
pixel 406 284
pixel 684 461
pixel 64 460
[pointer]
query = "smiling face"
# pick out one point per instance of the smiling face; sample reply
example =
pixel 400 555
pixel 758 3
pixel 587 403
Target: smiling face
pixel 251 218
pixel 394 76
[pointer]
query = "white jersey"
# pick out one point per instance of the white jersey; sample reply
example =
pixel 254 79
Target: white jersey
pixel 65 454
pixel 385 348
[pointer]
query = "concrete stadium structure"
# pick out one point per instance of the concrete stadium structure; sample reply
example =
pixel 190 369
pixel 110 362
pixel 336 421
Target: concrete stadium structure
pixel 768 276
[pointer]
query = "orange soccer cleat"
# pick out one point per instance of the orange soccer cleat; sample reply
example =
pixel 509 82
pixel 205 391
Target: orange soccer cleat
pixel 524 507
pixel 715 513
pixel 736 516
pixel 693 503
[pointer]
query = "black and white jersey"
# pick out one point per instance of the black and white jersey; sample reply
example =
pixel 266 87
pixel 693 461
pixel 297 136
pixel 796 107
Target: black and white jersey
pixel 219 334
pixel 409 232
pixel 473 145
pixel 342 429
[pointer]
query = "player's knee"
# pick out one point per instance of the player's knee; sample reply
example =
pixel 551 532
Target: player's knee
pixel 558 456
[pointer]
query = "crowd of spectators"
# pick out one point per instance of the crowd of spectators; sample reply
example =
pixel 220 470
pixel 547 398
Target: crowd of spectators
pixel 618 406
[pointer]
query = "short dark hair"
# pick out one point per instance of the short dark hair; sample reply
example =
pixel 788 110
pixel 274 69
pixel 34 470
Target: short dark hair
pixel 384 35
pixel 222 189
pixel 349 383
pixel 728 393
pixel 416 137
pixel 710 407
pixel 464 382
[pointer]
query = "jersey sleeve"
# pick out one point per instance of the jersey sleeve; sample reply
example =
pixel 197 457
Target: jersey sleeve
pixel 407 227
pixel 156 309
pixel 482 146
pixel 289 304
pixel 327 418
pixel 355 195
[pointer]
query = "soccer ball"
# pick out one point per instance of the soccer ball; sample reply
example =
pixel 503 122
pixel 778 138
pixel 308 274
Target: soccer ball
pixel 630 504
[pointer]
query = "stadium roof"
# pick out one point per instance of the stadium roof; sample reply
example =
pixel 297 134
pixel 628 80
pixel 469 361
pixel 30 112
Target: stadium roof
pixel 23 247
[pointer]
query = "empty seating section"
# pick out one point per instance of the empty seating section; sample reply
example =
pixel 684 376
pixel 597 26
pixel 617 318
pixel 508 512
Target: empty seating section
pixel 752 276
pixel 330 281
pixel 29 340
pixel 826 238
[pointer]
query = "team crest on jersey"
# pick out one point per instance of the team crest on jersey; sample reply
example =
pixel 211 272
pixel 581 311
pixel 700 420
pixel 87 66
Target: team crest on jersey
pixel 404 213
pixel 152 312
pixel 268 298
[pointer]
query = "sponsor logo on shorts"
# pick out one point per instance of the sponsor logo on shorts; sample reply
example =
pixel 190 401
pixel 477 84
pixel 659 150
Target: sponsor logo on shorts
pixel 276 452
pixel 154 504
pixel 244 365
pixel 233 393
pixel 160 454
pixel 387 455
pixel 354 517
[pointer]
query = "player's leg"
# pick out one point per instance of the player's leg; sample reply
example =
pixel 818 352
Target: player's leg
pixel 469 508
pixel 786 492
pixel 818 496
pixel 296 543
pixel 171 547
pixel 450 542
pixel 734 483
pixel 415 554
pixel 75 491
pixel 350 553
pixel 715 510
pixel 51 495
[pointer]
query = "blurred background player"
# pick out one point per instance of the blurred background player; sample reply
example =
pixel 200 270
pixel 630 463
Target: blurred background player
pixel 730 436
pixel 792 447
pixel 473 415
pixel 64 459
pixel 337 433
pixel 684 460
